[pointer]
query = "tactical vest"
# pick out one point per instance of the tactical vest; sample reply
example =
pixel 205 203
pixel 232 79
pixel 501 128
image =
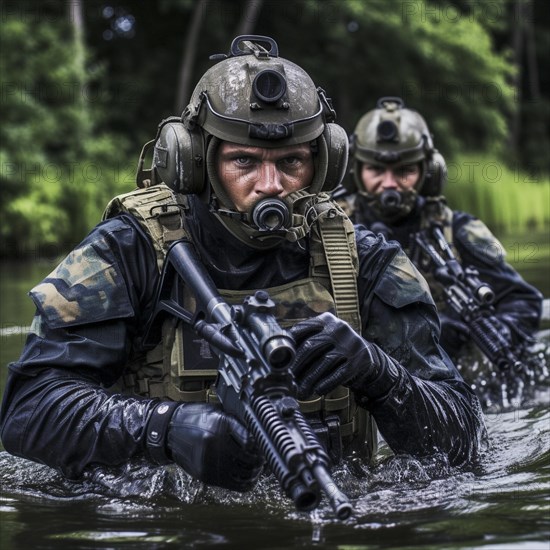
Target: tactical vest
pixel 183 368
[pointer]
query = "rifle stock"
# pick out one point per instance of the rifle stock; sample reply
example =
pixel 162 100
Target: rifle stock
pixel 254 382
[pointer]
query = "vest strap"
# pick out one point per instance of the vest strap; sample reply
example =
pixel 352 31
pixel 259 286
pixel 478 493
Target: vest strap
pixel 336 404
pixel 311 405
pixel 347 429
pixel 333 244
pixel 159 209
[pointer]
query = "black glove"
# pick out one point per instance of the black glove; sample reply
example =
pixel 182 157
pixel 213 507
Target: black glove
pixel 329 353
pixel 212 446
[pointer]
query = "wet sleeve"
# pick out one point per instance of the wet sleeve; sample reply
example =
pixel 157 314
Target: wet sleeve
pixel 517 303
pixel 57 409
pixel 428 408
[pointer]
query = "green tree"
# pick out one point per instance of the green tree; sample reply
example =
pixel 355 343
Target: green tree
pixel 440 56
pixel 55 168
pixel 76 113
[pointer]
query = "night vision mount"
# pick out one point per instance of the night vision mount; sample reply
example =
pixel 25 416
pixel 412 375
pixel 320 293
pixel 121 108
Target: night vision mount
pixel 252 44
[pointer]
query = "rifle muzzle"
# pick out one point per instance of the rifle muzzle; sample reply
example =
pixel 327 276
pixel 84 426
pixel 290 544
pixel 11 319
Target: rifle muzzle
pixel 485 294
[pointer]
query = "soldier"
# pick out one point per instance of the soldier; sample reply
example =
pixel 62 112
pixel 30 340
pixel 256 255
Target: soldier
pixel 398 177
pixel 245 174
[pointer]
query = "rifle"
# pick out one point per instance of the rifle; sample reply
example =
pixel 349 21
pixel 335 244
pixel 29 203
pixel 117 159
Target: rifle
pixel 254 382
pixel 471 298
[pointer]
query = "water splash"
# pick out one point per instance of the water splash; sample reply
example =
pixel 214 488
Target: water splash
pixel 505 390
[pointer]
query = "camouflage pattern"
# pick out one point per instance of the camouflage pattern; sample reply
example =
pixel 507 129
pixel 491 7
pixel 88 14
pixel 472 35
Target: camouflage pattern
pixel 294 302
pixel 84 288
pixel 231 109
pixel 481 243
pixel 403 284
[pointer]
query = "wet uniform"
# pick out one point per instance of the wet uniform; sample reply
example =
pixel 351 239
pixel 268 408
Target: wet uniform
pixel 517 303
pixel 92 310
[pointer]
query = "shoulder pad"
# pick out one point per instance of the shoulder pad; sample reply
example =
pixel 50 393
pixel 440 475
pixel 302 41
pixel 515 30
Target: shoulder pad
pixel 402 284
pixel 83 288
pixel 132 201
pixel 158 210
pixel 478 240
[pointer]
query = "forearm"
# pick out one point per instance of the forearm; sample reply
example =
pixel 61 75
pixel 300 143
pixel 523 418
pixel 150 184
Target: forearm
pixel 68 422
pixel 423 417
pixel 517 302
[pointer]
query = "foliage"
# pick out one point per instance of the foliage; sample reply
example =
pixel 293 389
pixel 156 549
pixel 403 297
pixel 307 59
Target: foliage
pixel 443 67
pixel 71 130
pixel 439 56
pixel 57 169
pixel 508 199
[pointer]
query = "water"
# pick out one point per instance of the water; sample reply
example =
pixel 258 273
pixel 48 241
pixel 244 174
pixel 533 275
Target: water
pixel 402 503
pixel 501 504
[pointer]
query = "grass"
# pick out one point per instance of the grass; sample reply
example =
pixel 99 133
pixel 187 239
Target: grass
pixel 514 204
pixel 508 200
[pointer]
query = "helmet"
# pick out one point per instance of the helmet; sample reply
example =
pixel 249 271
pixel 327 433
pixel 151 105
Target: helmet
pixel 250 97
pixel 394 136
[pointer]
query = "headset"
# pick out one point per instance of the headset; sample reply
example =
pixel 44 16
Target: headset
pixel 436 172
pixel 179 157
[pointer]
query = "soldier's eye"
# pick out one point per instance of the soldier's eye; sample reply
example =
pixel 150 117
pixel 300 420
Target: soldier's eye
pixel 243 160
pixel 375 169
pixel 291 161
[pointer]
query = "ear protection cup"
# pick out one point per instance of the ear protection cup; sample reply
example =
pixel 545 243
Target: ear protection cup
pixel 338 156
pixel 179 158
pixel 436 175
pixel 350 181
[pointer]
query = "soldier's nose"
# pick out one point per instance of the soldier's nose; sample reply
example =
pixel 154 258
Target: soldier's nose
pixel 269 181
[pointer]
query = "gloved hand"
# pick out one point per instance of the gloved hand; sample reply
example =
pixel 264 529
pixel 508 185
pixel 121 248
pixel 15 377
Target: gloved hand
pixel 213 447
pixel 329 353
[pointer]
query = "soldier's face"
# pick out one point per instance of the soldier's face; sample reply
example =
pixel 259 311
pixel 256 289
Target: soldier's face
pixel 249 174
pixel 378 178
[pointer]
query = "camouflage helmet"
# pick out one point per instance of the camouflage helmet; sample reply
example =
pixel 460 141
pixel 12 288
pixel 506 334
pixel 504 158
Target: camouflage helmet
pixel 253 97
pixel 393 136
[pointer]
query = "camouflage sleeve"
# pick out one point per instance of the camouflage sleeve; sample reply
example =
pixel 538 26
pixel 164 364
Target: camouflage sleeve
pixel 429 408
pixel 95 302
pixel 56 409
pixel 517 303
pixel 88 286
